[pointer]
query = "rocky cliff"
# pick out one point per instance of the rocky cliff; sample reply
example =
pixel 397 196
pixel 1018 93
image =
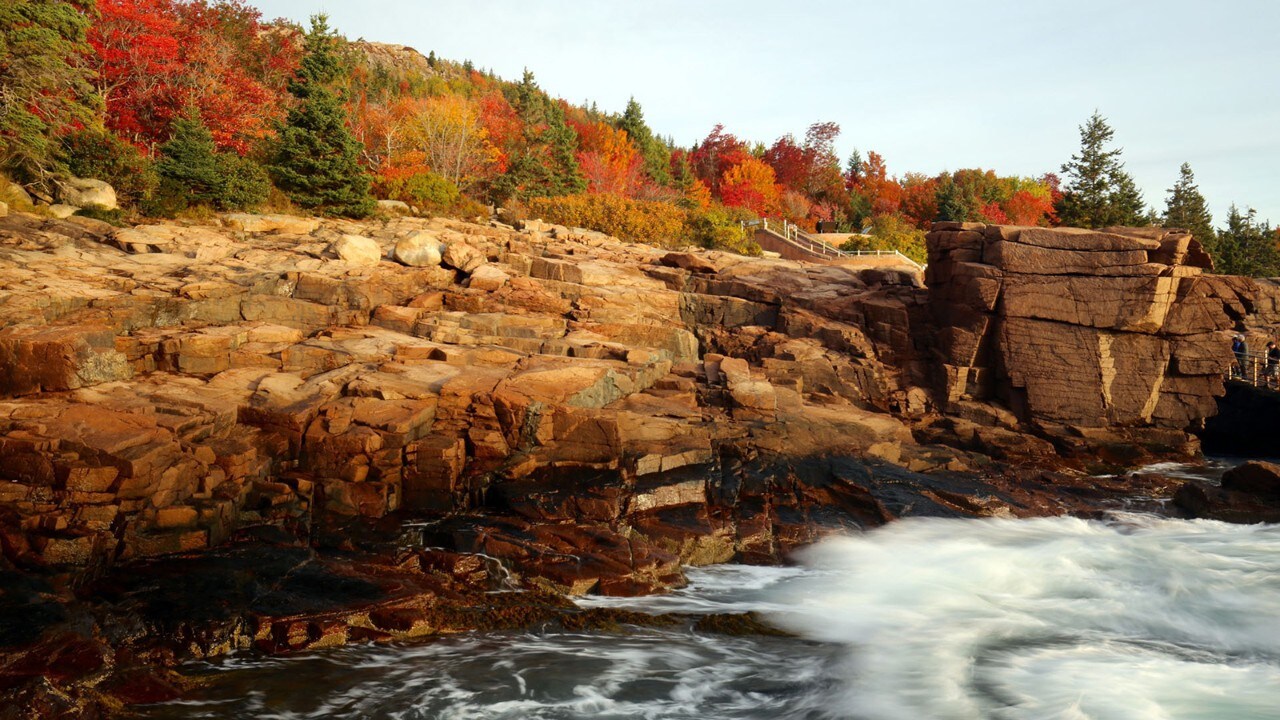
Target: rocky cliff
pixel 450 405
pixel 1112 329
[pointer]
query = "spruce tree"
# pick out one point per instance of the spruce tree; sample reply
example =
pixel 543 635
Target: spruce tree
pixel 1245 246
pixel 44 84
pixel 189 160
pixel 191 169
pixel 547 165
pixel 1186 208
pixel 1099 192
pixel 317 160
pixel 657 156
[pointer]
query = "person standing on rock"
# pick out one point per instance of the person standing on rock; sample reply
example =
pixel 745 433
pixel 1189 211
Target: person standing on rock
pixel 1273 363
pixel 1241 350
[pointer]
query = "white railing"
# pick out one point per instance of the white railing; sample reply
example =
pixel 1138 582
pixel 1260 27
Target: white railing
pixel 803 240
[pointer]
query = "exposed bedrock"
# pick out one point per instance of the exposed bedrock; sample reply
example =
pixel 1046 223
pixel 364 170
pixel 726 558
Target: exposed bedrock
pixel 325 431
pixel 1116 329
pixel 162 386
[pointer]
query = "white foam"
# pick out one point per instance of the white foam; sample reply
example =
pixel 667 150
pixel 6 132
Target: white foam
pixel 1050 618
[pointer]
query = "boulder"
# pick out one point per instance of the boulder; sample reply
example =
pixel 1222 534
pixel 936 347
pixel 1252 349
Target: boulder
pixel 19 194
pixel 462 256
pixel 4 209
pixel 395 207
pixel 421 249
pixel 690 262
pixel 246 222
pixel 63 211
pixel 85 192
pixel 488 277
pixel 357 250
pixel 1256 478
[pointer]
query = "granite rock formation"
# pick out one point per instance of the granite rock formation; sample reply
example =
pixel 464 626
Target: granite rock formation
pixel 288 433
pixel 1092 329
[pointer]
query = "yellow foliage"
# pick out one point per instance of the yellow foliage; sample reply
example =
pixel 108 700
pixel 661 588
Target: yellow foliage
pixel 656 223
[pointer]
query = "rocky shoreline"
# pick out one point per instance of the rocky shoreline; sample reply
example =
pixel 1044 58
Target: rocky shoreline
pixel 282 434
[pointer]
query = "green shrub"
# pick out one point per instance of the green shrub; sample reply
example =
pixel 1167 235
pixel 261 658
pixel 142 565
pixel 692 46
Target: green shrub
pixel 720 228
pixel 245 183
pixel 97 212
pixel 427 191
pixel 193 172
pixel 100 155
pixel 892 232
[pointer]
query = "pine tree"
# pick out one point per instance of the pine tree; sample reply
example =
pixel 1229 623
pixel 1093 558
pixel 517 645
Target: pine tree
pixel 1099 192
pixel 657 156
pixel 44 88
pixel 317 160
pixel 192 170
pixel 1246 247
pixel 547 165
pixel 189 160
pixel 1186 208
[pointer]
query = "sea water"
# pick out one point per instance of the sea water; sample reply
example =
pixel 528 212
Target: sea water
pixel 1131 617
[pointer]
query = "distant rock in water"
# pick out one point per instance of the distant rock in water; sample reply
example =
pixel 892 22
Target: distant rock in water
pixel 1250 493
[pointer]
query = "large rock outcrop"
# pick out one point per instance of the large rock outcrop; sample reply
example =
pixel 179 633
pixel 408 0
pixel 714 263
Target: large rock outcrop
pixel 163 386
pixel 1093 329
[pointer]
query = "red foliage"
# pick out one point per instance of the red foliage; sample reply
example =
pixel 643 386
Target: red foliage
pixel 920 199
pixel 1027 208
pixel 715 155
pixel 790 163
pixel 993 213
pixel 155 57
pixel 502 125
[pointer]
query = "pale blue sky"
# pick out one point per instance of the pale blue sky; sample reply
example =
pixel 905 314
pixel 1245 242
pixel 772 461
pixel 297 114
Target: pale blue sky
pixel 930 84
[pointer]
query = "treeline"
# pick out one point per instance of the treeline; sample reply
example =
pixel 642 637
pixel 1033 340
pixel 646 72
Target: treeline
pixel 187 106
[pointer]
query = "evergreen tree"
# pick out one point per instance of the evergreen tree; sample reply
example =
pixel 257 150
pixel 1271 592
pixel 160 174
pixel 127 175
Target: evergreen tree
pixel 547 166
pixel 317 160
pixel 192 170
pixel 189 160
pixel 854 169
pixel 1099 192
pixel 1186 208
pixel 951 201
pixel 1245 247
pixel 657 156
pixel 44 88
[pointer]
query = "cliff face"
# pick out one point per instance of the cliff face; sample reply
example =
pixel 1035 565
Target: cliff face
pixel 193 418
pixel 163 386
pixel 1108 329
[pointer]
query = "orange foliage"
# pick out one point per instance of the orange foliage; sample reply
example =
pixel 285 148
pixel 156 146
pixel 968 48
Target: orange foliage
pixel 698 195
pixel 609 160
pixel 884 193
pixel 752 185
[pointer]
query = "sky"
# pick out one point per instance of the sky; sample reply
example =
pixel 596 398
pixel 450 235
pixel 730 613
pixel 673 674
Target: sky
pixel 931 85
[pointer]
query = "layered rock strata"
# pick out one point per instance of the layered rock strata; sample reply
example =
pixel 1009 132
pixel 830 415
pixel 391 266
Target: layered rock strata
pixel 162 386
pixel 1093 329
